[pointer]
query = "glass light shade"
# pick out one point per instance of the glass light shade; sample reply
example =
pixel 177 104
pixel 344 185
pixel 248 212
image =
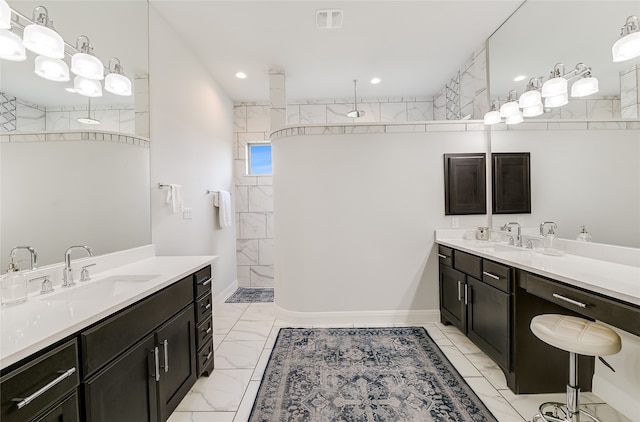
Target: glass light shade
pixel 514 119
pixel 557 100
pixel 117 84
pixel 11 47
pixel 553 87
pixel 52 69
pixel 5 15
pixel 492 117
pixel 43 41
pixel 509 109
pixel 88 66
pixel 627 47
pixel 584 86
pixel 530 99
pixel 533 111
pixel 87 87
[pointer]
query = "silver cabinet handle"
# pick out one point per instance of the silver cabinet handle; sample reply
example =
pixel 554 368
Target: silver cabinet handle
pixel 65 374
pixel 495 277
pixel 208 357
pixel 204 282
pixel 443 256
pixel 208 330
pixel 571 301
pixel 466 294
pixel 208 305
pixel 156 357
pixel 459 291
pixel 166 355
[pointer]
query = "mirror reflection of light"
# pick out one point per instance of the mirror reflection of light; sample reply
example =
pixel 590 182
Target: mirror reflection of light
pixel 51 69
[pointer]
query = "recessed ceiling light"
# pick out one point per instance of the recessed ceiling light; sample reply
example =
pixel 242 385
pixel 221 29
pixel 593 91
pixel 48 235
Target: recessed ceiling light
pixel 519 78
pixel 376 80
pixel 241 75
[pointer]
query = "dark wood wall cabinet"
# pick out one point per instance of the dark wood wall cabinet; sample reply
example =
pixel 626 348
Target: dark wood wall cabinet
pixel 489 303
pixel 510 183
pixel 465 188
pixel 137 365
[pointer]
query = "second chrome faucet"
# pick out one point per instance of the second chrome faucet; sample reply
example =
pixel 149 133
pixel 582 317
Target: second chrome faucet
pixel 67 274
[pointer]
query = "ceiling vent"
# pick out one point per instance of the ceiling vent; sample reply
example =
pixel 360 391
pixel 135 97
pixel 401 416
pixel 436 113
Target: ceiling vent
pixel 329 19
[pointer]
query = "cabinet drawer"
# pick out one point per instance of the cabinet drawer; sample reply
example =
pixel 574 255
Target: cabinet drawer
pixel 202 281
pixel 40 383
pixel 468 264
pixel 205 331
pixel 105 341
pixel 445 255
pixel 612 312
pixel 496 275
pixel 204 307
pixel 205 358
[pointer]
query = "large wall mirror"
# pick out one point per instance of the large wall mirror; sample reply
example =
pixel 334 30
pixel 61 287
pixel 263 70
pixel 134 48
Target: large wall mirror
pixel 587 171
pixel 72 189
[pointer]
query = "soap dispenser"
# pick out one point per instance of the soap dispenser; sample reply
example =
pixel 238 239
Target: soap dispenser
pixel 549 241
pixel 583 236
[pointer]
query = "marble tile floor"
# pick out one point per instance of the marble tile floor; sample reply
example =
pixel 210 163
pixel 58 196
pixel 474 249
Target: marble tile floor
pixel 244 335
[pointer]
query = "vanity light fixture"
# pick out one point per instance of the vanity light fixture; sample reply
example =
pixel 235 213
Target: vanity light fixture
pixel 116 82
pixel 52 69
pixel 84 63
pixel 584 86
pixel 41 38
pixel 556 84
pixel 87 87
pixel 628 46
pixel 556 100
pixel 510 108
pixel 492 117
pixel 5 15
pixel 11 47
pixel 514 119
pixel 533 111
pixel 531 97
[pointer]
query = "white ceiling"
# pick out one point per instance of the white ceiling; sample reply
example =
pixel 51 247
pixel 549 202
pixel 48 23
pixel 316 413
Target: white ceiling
pixel 415 47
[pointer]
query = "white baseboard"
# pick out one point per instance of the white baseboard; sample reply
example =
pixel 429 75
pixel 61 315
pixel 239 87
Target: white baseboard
pixel 356 317
pixel 224 294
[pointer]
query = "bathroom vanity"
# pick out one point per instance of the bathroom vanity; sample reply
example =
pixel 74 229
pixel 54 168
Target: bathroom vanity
pixel 491 291
pixel 129 356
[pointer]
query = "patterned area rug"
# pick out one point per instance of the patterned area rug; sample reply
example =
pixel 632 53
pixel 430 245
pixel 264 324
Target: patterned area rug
pixel 363 374
pixel 246 295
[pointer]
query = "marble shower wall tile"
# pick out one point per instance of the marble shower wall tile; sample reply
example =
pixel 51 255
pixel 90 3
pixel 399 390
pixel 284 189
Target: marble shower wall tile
pixel 260 198
pixel 247 252
pixel 337 113
pixel 266 251
pixel 240 118
pixel 29 119
pixel 420 111
pixel 258 118
pixel 393 112
pixel 252 225
pixel 262 276
pixel 313 114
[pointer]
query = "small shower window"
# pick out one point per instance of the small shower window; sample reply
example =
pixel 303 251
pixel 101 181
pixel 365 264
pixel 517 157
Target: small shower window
pixel 259 159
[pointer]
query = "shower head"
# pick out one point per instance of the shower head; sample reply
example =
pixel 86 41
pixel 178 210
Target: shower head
pixel 355 112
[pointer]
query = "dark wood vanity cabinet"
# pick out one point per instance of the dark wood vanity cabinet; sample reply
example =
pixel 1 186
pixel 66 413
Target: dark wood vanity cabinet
pixel 204 321
pixel 479 309
pixel 55 375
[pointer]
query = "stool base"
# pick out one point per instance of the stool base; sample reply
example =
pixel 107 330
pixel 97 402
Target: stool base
pixel 561 413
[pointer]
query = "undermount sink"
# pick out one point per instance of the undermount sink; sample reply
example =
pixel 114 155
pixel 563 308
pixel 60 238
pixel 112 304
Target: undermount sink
pixel 494 247
pixel 101 289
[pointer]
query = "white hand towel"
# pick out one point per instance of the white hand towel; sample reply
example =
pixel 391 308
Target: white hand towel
pixel 174 197
pixel 224 208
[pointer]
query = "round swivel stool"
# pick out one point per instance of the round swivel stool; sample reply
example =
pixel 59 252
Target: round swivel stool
pixel 578 337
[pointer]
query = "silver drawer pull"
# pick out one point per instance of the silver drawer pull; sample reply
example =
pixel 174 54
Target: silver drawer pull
pixel 443 256
pixel 166 355
pixel 466 294
pixel 204 282
pixel 571 301
pixel 207 306
pixel 156 364
pixel 459 290
pixel 208 330
pixel 208 357
pixel 495 277
pixel 65 374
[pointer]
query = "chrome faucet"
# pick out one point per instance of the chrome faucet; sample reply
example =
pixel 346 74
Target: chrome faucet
pixel 518 236
pixel 553 227
pixel 67 275
pixel 32 251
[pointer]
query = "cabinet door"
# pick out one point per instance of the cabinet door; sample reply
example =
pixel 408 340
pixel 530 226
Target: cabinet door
pixel 464 184
pixel 452 303
pixel 489 320
pixel 511 183
pixel 126 389
pixel 67 411
pixel 176 342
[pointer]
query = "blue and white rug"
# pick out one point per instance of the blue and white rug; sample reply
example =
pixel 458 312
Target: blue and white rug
pixel 363 374
pixel 247 295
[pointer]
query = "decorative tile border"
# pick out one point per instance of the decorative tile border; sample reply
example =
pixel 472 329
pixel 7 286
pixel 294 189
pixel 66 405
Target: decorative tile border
pixel 75 136
pixel 453 126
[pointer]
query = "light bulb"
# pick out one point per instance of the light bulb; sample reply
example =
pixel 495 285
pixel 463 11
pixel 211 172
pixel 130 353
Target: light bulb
pixel 87 87
pixel 51 69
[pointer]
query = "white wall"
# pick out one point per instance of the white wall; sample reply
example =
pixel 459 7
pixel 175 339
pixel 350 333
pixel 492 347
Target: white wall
pixel 355 217
pixel 192 145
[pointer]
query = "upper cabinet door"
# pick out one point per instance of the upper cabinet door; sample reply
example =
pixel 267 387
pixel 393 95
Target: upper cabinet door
pixel 465 184
pixel 511 183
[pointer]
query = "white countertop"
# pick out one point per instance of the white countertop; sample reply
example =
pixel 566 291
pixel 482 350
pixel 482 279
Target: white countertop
pixel 611 279
pixel 42 320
